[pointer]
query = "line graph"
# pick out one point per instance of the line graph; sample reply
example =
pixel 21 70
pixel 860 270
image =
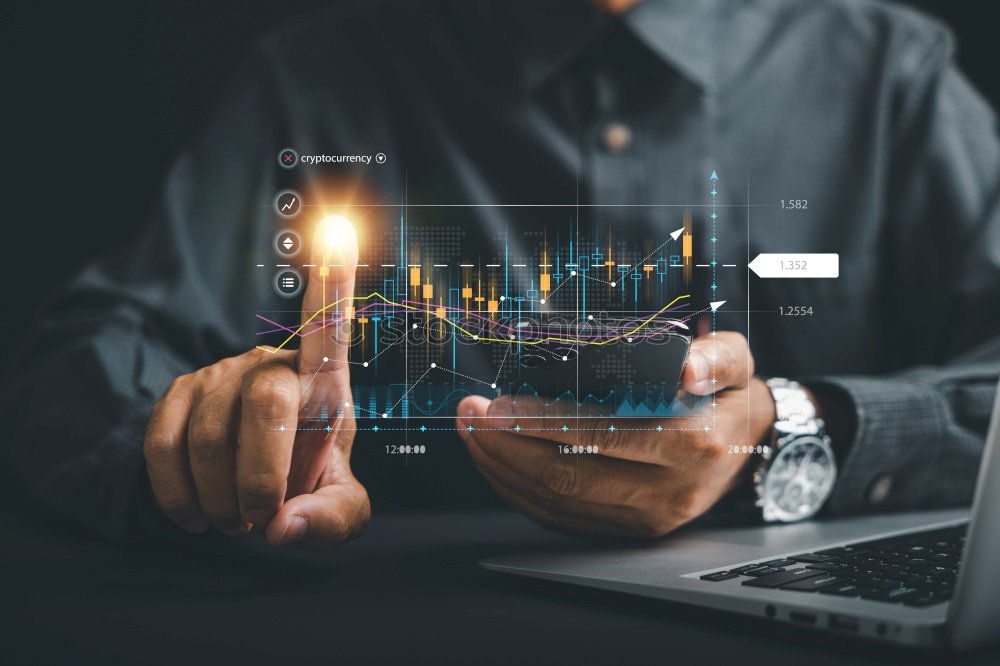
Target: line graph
pixel 608 339
pixel 583 314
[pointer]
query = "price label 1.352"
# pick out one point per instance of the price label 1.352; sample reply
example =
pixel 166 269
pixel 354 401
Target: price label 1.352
pixel 801 265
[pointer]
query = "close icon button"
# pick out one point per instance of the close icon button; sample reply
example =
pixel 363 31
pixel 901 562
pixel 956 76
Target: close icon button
pixel 288 158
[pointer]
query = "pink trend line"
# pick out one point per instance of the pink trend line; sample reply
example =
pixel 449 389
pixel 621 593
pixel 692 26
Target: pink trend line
pixel 318 325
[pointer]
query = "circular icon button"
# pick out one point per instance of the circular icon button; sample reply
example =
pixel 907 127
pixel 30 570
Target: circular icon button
pixel 288 203
pixel 288 158
pixel 288 282
pixel 380 158
pixel 287 243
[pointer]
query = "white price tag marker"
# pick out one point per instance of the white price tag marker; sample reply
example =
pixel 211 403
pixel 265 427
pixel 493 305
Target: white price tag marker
pixel 796 265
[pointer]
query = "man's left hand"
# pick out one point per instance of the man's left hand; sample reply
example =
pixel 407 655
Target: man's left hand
pixel 644 481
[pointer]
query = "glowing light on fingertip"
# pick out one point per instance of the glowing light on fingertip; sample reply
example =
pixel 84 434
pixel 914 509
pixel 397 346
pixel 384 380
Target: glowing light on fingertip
pixel 334 230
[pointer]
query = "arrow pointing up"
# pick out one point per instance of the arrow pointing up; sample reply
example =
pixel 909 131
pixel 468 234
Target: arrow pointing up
pixel 676 234
pixel 715 305
pixel 714 175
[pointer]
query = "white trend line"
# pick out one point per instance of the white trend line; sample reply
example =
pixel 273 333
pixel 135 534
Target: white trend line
pixel 565 280
pixel 309 383
pixel 387 348
pixel 622 280
pixel 455 372
pixel 500 369
pixel 407 392
pixel 334 428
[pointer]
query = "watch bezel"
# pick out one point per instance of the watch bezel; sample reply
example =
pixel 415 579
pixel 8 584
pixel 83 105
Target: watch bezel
pixel 771 511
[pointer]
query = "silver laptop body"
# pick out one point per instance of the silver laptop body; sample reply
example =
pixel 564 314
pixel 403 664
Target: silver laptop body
pixel 671 569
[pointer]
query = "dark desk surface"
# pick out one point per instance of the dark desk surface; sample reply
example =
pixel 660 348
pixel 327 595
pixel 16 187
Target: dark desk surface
pixel 408 591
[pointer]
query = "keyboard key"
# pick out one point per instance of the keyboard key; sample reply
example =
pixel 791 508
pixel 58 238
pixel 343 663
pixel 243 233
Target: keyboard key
pixel 827 566
pixel 897 560
pixel 720 575
pixel 845 590
pixel 878 582
pixel 745 567
pixel 856 549
pixel 944 558
pixel 782 577
pixel 779 564
pixel 927 583
pixel 761 571
pixel 816 583
pixel 892 595
pixel 906 577
pixel 860 559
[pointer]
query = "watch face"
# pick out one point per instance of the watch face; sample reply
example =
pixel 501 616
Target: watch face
pixel 799 480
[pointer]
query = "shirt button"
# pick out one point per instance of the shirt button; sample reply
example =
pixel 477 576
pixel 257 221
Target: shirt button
pixel 616 137
pixel 880 488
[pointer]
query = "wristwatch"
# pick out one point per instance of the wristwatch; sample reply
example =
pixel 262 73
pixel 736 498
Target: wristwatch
pixel 797 469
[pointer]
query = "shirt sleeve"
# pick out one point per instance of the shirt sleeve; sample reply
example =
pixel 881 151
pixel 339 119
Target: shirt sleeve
pixel 919 427
pixel 108 346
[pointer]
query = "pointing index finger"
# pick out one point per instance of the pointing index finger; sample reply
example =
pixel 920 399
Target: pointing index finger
pixel 328 302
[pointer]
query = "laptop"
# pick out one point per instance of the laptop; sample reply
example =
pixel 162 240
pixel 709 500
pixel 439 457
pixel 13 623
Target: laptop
pixel 919 579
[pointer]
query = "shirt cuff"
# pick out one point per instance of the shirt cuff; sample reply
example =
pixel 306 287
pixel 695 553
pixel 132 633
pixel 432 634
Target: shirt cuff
pixel 890 462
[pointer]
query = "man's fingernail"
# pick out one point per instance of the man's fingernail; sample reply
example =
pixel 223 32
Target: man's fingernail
pixel 296 530
pixel 471 410
pixel 237 532
pixel 699 366
pixel 259 516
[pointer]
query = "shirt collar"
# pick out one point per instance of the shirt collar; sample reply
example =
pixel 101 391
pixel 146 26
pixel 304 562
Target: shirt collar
pixel 681 32
pixel 553 33
pixel 556 32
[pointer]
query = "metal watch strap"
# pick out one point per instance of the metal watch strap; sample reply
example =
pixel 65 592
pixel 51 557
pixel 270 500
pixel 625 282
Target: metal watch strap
pixel 795 411
pixel 795 418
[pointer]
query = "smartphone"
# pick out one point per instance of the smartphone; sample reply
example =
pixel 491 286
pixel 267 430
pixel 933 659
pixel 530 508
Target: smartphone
pixel 623 378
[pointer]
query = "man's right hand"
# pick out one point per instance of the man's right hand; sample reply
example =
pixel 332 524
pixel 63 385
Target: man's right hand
pixel 223 446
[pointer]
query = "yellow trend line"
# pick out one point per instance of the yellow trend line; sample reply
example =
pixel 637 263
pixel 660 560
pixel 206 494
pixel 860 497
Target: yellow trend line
pixel 385 300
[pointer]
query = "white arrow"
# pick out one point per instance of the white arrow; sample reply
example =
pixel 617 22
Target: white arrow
pixel 715 305
pixel 802 265
pixel 676 234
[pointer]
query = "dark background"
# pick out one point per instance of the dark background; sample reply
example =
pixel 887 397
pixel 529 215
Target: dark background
pixel 99 97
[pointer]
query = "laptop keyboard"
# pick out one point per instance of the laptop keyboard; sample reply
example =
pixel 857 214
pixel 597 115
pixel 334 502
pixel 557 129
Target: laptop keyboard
pixel 916 569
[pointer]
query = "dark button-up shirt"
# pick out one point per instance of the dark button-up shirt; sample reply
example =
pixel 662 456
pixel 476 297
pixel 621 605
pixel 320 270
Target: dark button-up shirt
pixel 593 121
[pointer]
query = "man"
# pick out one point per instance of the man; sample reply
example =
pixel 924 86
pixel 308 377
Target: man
pixel 854 107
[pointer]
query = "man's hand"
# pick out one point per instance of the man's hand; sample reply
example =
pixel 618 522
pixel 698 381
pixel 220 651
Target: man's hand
pixel 223 447
pixel 643 482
